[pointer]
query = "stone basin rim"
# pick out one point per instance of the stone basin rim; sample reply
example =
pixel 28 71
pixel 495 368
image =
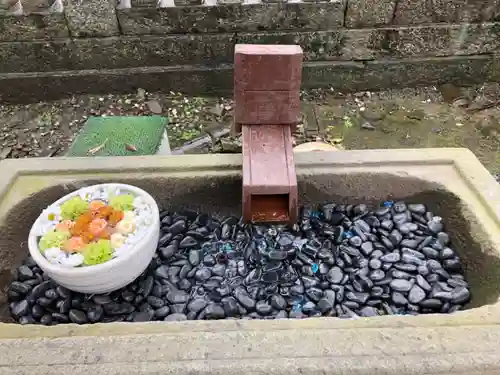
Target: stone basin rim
pixel 462 161
pixel 484 316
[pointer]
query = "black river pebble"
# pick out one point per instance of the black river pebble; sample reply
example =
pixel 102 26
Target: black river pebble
pixel 340 260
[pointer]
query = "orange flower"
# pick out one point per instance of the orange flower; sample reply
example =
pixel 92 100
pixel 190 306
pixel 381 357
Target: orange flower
pixel 82 223
pixel 74 244
pixel 115 217
pixel 96 205
pixel 105 234
pixel 104 212
pixel 65 226
pixel 97 226
pixel 87 236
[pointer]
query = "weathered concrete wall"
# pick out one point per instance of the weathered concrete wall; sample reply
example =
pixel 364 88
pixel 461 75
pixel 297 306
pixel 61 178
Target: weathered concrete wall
pixel 344 37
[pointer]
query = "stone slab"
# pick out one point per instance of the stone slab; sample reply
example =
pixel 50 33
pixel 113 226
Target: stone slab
pixel 465 342
pixel 385 74
pixel 33 26
pixel 232 18
pixel 420 41
pixel 366 13
pixel 452 11
pixel 212 49
pixel 116 52
pixel 317 45
pixel 91 18
pixel 344 76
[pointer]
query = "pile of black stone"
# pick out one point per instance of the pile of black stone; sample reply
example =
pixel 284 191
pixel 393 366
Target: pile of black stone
pixel 339 260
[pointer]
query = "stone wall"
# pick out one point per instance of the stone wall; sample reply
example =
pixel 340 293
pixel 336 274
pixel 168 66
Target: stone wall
pixel 348 44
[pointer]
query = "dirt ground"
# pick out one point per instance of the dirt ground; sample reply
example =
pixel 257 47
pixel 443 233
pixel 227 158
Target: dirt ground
pixel 410 118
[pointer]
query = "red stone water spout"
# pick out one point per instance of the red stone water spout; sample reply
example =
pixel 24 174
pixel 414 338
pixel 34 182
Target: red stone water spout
pixel 267 109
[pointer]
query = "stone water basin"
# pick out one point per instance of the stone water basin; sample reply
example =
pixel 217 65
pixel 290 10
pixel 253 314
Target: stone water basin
pixel 451 182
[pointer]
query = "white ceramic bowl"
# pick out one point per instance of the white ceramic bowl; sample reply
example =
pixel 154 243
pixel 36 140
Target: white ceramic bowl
pixel 117 272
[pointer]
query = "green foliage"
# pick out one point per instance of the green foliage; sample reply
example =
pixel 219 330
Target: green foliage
pixel 122 202
pixel 53 239
pixel 97 252
pixel 73 208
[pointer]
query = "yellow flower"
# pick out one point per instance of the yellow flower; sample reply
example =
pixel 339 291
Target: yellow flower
pixel 125 226
pixel 117 240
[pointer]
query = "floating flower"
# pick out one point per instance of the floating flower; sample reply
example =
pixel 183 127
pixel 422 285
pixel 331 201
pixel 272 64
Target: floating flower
pixel 42 227
pixel 116 216
pixel 73 208
pixel 125 226
pixel 96 205
pixel 53 239
pixel 97 227
pixel 53 254
pixel 94 226
pixel 65 226
pixel 129 215
pixel 52 214
pixel 97 252
pixel 117 240
pixel 139 203
pixel 123 202
pixel 71 260
pixel 86 193
pixel 74 244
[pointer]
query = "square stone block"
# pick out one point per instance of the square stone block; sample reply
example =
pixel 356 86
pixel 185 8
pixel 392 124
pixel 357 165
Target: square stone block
pixel 267 67
pixel 266 107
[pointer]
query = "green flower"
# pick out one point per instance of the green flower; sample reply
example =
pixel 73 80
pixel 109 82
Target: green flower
pixel 97 252
pixel 73 208
pixel 122 202
pixel 53 239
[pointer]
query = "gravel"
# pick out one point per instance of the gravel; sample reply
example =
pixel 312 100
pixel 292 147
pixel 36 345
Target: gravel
pixel 340 261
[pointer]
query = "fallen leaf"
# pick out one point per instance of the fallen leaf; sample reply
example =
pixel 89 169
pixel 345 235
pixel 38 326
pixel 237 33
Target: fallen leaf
pixel 154 106
pixel 130 147
pixel 95 150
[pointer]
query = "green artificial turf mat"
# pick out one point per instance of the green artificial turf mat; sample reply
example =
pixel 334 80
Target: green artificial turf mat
pixel 111 135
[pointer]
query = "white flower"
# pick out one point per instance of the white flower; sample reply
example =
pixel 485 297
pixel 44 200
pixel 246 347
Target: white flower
pixel 117 240
pixel 52 214
pixel 47 221
pixel 53 255
pixel 71 260
pixel 98 194
pixel 111 191
pixel 125 226
pixel 86 193
pixel 42 227
pixel 129 216
pixel 139 204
